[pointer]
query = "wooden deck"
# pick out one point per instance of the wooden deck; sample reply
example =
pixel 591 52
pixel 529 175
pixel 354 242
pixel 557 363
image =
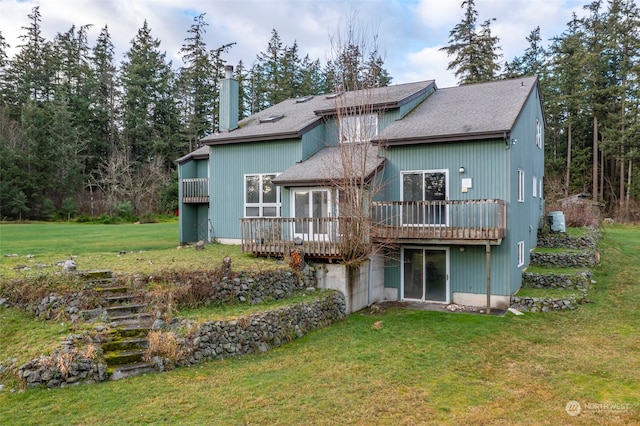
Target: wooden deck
pixel 473 222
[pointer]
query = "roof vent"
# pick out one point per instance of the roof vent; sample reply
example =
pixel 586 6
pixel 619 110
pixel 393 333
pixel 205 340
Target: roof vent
pixel 304 99
pixel 335 95
pixel 271 118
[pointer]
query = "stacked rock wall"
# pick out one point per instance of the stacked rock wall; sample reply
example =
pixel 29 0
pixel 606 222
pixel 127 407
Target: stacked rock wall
pixel 262 331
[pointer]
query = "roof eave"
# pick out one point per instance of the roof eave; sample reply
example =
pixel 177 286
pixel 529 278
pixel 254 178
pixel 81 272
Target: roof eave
pixel 295 134
pixel 374 107
pixel 326 181
pixel 498 134
pixel 190 157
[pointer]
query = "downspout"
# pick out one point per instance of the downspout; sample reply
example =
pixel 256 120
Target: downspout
pixel 369 283
pixel 488 251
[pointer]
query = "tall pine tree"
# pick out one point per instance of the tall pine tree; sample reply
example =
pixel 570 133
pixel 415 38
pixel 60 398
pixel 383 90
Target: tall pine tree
pixel 475 50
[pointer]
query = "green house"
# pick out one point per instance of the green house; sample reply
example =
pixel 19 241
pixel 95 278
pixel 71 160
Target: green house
pixel 438 192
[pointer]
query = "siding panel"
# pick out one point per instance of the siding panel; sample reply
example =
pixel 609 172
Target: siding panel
pixel 229 164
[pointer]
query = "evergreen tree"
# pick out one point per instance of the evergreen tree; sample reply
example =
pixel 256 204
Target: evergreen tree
pixel 593 26
pixel 564 105
pixel 150 124
pixel 4 62
pixel 198 83
pixel 532 62
pixel 267 75
pixel 356 62
pixel 241 74
pixel 621 54
pixel 311 78
pixel 105 131
pixel 474 50
pixel 74 111
pixel 31 71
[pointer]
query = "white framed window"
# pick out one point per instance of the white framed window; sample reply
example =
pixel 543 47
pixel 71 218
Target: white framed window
pixel 535 187
pixel 261 196
pixel 538 134
pixel 520 186
pixel 540 192
pixel 424 194
pixel 520 253
pixel 358 128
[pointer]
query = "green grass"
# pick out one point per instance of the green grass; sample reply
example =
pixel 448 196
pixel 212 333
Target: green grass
pixel 228 312
pixel 556 271
pixel 556 250
pixel 402 367
pixel 578 232
pixel 146 248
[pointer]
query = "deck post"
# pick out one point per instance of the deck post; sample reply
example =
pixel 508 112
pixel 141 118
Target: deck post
pixel 488 251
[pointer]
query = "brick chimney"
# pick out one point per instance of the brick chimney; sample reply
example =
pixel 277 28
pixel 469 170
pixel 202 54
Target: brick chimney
pixel 229 94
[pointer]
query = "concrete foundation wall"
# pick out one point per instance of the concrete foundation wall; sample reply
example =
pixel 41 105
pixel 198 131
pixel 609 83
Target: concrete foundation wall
pixel 480 300
pixel 368 287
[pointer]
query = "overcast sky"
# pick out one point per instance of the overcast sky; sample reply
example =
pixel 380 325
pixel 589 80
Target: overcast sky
pixel 410 32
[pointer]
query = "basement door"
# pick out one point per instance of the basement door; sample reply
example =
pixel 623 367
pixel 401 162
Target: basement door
pixel 425 274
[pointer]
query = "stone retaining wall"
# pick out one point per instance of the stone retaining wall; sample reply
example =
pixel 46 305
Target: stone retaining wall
pixel 258 332
pixel 578 281
pixel 236 288
pixel 538 304
pixel 565 240
pixel 76 362
pixel 586 256
pixel 67 365
pixel 585 259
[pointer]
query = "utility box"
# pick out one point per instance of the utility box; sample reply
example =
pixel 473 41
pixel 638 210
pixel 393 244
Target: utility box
pixel 556 222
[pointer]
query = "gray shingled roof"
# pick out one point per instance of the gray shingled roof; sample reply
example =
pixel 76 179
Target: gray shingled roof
pixel 326 166
pixel 471 111
pixel 298 117
pixel 198 154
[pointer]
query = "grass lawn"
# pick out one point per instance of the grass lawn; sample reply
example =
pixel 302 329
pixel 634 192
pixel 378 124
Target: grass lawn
pixel 146 248
pixel 399 367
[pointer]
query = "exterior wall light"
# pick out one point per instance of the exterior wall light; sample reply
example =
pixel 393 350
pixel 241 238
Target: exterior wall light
pixel 461 169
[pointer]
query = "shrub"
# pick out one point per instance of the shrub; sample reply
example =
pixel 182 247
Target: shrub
pixel 125 210
pixel 48 210
pixel 578 215
pixel 69 208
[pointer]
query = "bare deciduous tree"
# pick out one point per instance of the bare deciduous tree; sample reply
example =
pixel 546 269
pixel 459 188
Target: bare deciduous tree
pixel 120 181
pixel 357 168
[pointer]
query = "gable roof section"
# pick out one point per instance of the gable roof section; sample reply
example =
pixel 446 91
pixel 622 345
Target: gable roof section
pixel 380 98
pixel 201 153
pixel 291 119
pixel 326 167
pixel 474 111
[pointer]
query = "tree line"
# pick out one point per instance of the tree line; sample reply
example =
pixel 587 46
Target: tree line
pixel 80 132
pixel 590 81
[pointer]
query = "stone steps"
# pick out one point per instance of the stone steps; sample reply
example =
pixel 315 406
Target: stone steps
pixel 120 310
pixel 123 357
pixel 119 299
pixel 126 341
pixel 131 319
pixel 131 370
pixel 126 344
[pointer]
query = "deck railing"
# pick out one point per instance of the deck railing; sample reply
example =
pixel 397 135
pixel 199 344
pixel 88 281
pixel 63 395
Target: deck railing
pixel 452 220
pixel 195 190
pixel 274 236
pixel 456 222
